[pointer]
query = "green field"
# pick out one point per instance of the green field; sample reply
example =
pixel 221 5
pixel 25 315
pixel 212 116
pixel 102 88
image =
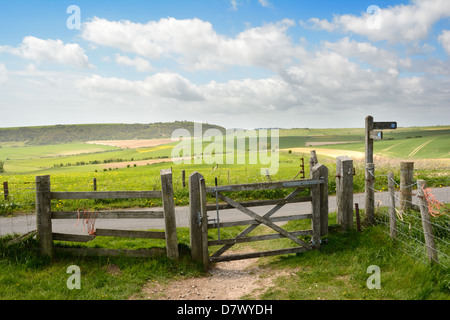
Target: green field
pixel 404 143
pixel 74 165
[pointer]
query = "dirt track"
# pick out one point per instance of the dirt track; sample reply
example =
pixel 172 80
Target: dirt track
pixel 225 281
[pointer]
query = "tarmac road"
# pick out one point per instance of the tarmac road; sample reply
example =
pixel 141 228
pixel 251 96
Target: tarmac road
pixel 24 224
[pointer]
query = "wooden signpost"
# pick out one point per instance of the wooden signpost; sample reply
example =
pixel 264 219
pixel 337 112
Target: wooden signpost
pixel 372 133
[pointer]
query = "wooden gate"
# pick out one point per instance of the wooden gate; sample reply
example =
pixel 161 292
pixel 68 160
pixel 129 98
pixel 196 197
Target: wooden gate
pixel 200 224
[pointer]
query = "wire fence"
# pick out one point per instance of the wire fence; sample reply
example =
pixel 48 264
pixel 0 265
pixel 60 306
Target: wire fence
pixel 403 220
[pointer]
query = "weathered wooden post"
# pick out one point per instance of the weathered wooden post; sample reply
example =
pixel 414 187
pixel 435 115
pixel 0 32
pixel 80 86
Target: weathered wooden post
pixel 321 172
pixel 319 196
pixel 372 134
pixel 369 172
pixel 44 215
pixel 195 229
pixel 406 184
pixel 370 193
pixel 312 161
pixel 5 190
pixel 344 192
pixel 169 214
pixel 204 213
pixel 426 224
pixel 94 181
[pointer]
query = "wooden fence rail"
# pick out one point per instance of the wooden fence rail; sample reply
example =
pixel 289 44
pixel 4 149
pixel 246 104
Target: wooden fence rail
pixel 45 215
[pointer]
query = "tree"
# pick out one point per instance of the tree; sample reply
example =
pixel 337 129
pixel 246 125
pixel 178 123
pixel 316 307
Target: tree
pixel 1 167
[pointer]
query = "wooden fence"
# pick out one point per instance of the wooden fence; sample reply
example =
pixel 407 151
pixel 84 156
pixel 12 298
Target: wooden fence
pixel 45 215
pixel 199 223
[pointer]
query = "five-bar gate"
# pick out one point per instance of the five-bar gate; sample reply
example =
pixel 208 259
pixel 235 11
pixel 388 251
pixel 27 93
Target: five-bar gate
pixel 318 185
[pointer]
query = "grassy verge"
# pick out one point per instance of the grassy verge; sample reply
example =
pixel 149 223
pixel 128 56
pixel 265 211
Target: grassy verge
pixel 339 271
pixel 26 276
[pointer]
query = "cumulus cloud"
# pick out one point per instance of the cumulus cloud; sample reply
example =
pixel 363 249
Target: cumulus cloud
pixel 138 63
pixel 163 85
pixel 397 24
pixel 194 43
pixel 53 51
pixel 444 39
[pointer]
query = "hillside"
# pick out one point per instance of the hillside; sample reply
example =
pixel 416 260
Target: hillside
pixel 59 134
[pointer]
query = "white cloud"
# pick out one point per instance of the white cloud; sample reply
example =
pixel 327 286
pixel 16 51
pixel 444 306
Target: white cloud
pixel 194 43
pixel 3 73
pixel 444 39
pixel 53 51
pixel 138 63
pixel 398 24
pixel 162 85
pixel 234 5
pixel 265 3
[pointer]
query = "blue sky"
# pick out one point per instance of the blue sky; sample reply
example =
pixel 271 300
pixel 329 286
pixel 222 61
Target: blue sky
pixel 235 63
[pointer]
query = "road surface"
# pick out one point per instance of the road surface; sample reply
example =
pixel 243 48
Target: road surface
pixel 27 223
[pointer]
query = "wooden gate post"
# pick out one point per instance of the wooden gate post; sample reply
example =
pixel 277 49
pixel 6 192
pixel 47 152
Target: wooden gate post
pixel 406 182
pixel 370 193
pixel 195 228
pixel 319 200
pixel 169 214
pixel 320 171
pixel 204 212
pixel 426 224
pixel 344 192
pixel 44 215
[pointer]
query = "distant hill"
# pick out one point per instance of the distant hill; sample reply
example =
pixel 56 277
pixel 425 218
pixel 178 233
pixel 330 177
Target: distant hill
pixel 80 133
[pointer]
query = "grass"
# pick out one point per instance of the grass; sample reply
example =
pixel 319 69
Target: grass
pixel 336 272
pixel 27 276
pixel 339 272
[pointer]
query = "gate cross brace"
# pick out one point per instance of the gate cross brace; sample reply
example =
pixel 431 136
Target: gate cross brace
pixel 263 220
pixel 253 227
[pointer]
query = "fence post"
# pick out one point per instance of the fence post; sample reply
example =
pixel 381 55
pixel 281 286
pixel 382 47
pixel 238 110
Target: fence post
pixel 344 192
pixel 183 178
pixel 323 200
pixel 406 182
pixel 94 181
pixel 316 210
pixel 5 190
pixel 169 214
pixel 392 215
pixel 195 229
pixel 44 215
pixel 204 213
pixel 370 193
pixel 426 224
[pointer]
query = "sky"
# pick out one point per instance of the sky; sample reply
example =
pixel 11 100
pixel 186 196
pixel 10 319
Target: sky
pixel 235 63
